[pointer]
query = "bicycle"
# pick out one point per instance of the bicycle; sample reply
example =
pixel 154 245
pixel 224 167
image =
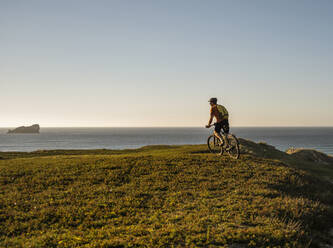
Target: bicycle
pixel 215 145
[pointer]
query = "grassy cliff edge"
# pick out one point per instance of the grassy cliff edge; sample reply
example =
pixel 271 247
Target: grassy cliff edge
pixel 164 196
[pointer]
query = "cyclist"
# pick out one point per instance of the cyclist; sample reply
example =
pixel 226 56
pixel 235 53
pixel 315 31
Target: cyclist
pixel 221 115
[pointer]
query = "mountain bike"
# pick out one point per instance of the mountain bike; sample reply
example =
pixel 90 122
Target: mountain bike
pixel 216 146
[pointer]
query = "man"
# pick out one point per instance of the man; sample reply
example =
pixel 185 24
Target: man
pixel 221 115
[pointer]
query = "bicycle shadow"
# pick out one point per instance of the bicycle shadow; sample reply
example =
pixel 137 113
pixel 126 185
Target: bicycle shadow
pixel 200 152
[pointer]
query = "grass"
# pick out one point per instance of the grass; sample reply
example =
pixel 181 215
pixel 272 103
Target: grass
pixel 160 196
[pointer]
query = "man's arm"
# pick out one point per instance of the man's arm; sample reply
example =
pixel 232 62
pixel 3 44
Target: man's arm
pixel 210 119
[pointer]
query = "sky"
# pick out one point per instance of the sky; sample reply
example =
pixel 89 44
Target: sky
pixel 147 63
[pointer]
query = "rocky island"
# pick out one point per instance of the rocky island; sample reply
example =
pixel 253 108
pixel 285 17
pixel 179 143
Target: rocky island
pixel 31 129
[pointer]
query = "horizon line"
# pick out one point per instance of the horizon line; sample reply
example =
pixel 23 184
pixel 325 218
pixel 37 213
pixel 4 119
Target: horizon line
pixel 240 126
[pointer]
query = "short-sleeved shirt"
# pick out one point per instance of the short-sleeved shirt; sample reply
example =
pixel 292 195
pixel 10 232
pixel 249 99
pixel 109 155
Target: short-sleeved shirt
pixel 219 112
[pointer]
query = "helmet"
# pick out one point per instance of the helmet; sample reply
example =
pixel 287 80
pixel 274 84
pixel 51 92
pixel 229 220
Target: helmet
pixel 213 100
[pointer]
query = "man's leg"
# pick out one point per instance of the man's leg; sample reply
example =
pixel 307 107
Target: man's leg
pixel 217 131
pixel 225 127
pixel 219 136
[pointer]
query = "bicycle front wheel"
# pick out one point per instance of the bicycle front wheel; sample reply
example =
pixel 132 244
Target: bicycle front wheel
pixel 215 145
pixel 233 149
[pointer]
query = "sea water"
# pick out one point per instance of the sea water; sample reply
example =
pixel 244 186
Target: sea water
pixel 320 138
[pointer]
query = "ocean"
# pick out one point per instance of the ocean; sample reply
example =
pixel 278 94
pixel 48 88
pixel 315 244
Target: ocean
pixel 320 138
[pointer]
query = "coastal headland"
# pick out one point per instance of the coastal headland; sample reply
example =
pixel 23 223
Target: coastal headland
pixel 166 196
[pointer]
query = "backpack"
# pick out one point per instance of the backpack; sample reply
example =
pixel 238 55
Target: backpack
pixel 223 111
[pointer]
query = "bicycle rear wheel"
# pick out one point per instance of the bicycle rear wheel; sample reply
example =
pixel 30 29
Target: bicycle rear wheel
pixel 233 149
pixel 215 145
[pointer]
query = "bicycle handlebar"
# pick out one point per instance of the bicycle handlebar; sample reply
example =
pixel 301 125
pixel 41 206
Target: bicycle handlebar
pixel 211 125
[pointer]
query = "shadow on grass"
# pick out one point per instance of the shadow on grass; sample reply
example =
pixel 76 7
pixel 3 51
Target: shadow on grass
pixel 201 152
pixel 314 204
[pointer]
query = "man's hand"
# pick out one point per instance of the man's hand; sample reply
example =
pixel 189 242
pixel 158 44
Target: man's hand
pixel 208 126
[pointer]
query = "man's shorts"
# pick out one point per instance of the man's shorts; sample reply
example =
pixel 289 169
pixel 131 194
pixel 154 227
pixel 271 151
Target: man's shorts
pixel 222 125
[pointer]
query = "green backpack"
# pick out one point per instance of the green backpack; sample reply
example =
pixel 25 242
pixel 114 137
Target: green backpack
pixel 223 111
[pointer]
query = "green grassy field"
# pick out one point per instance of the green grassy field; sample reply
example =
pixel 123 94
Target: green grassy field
pixel 161 196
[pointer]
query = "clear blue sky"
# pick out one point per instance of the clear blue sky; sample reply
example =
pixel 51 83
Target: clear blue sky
pixel 156 63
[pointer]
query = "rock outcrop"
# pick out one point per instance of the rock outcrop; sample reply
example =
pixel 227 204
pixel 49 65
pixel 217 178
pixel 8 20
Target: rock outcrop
pixel 31 129
pixel 293 156
pixel 310 155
